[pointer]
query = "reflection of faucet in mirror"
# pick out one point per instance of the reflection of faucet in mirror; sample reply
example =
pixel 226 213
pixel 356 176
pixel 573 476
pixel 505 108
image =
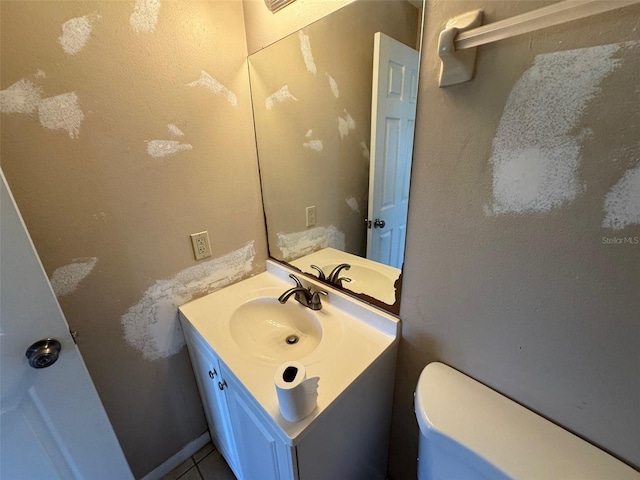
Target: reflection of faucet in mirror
pixel 368 278
pixel 312 97
pixel 334 277
pixel 303 295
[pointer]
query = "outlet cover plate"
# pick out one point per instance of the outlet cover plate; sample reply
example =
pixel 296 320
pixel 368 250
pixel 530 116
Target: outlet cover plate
pixel 200 244
pixel 311 216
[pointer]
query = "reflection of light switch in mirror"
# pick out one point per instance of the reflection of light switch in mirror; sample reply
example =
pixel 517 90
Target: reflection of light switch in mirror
pixel 311 216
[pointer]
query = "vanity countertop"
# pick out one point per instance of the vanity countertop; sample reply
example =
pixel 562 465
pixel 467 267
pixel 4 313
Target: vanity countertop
pixel 354 336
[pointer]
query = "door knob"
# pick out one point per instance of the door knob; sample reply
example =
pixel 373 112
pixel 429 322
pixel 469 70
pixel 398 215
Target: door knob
pixel 378 223
pixel 43 353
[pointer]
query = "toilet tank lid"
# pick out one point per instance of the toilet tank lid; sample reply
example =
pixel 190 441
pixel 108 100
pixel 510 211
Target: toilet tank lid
pixel 517 441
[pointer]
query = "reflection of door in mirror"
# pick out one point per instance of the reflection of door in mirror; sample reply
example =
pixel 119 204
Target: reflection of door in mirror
pixel 393 116
pixel 311 95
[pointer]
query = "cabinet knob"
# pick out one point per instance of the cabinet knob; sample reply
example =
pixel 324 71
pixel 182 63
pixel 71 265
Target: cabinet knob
pixel 212 373
pixel 222 384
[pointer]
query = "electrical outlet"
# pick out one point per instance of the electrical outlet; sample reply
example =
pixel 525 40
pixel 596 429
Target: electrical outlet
pixel 200 243
pixel 311 216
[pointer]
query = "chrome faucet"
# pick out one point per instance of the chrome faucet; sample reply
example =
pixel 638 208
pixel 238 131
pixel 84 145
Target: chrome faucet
pixel 303 295
pixel 334 277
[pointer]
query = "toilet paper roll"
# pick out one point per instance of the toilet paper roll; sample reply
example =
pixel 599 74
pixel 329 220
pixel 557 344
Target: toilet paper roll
pixel 297 394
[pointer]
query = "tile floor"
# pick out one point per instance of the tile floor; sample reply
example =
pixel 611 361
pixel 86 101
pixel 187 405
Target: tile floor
pixel 205 464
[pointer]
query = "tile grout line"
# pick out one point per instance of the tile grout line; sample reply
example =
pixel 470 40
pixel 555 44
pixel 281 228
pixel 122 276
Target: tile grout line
pixel 197 469
pixel 197 462
pixel 188 470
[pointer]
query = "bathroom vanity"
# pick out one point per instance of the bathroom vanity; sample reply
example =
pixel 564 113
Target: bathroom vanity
pixel 237 339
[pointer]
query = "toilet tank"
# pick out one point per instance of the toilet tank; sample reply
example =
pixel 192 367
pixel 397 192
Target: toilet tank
pixel 468 431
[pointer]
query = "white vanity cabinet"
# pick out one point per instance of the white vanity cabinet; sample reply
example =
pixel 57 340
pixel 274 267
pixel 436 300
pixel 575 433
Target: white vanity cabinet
pixel 347 435
pixel 262 455
pixel 238 428
pixel 209 377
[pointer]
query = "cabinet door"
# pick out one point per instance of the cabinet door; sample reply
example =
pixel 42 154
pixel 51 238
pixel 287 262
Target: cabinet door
pixel 209 377
pixel 262 455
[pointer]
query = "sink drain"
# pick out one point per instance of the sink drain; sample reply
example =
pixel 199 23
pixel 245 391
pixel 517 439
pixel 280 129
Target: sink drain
pixel 292 339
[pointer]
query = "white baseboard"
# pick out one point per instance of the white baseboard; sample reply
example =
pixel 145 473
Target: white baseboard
pixel 171 463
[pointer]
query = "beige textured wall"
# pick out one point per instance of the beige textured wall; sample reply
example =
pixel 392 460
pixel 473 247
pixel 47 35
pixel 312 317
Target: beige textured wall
pixel 521 179
pixel 313 138
pixel 81 118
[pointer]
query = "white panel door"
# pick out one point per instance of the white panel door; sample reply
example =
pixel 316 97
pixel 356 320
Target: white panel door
pixel 52 423
pixel 393 113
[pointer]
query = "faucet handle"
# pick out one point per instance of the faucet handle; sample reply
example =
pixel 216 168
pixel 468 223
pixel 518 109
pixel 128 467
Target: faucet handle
pixel 333 276
pixel 339 281
pixel 297 280
pixel 321 275
pixel 315 303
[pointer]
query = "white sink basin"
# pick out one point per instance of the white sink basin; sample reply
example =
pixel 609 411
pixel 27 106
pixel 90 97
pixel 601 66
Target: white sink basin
pixel 270 330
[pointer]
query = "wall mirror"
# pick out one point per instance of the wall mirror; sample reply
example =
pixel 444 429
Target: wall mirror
pixel 334 108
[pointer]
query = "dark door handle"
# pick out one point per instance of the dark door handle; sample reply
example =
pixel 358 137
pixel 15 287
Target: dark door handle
pixel 44 353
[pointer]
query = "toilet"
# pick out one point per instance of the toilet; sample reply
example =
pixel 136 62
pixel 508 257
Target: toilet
pixel 468 432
